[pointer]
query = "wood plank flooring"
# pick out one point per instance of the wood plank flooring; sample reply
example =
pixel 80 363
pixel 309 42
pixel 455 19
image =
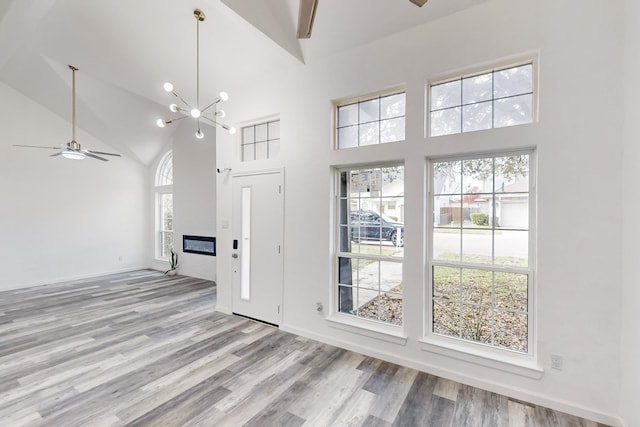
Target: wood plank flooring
pixel 143 349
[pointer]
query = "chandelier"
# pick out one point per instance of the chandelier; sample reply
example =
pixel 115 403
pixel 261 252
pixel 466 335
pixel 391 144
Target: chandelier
pixel 186 109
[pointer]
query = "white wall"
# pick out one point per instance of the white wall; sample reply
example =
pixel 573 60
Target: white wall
pixel 194 200
pixel 579 144
pixel 630 349
pixel 64 219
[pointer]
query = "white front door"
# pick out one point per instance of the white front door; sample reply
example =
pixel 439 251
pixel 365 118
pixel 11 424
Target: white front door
pixel 257 255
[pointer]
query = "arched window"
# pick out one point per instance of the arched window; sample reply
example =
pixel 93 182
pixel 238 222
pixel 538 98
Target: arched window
pixel 164 206
pixel 164 174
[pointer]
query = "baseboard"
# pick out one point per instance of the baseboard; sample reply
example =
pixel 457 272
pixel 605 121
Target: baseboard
pixel 223 309
pixel 72 278
pixel 513 392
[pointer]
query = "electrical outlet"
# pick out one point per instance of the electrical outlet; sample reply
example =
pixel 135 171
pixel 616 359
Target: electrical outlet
pixel 556 362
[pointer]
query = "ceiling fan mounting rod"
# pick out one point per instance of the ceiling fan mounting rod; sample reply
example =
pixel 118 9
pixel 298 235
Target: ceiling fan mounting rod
pixel 73 102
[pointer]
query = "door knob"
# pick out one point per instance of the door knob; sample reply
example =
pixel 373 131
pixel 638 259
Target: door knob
pixel 234 255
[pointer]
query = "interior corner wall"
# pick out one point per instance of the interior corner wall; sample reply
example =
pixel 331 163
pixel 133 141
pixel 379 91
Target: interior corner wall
pixel 64 219
pixel 630 341
pixel 194 196
pixel 578 141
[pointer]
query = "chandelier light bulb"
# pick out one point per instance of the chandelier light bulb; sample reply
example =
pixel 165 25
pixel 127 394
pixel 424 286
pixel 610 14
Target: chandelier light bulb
pixel 174 108
pixel 221 113
pixel 224 96
pixel 168 87
pixel 195 113
pixel 199 134
pixel 160 123
pixel 232 130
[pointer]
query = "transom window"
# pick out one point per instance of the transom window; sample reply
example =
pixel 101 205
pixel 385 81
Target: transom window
pixel 164 206
pixel 480 258
pixel 261 141
pixel 492 99
pixel 164 174
pixel 371 242
pixel 371 121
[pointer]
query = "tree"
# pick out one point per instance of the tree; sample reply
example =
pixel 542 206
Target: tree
pixel 448 175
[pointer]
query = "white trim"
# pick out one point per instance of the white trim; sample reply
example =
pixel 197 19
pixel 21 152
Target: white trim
pixel 223 309
pixel 514 363
pixel 388 333
pixel 258 172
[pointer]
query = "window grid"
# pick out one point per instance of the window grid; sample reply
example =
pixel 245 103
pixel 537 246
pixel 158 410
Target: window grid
pixel 457 283
pixel 164 175
pixel 369 262
pixel 381 120
pixel 528 118
pixel 249 145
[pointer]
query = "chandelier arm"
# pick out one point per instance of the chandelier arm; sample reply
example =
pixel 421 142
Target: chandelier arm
pixel 231 129
pixel 175 120
pixel 212 104
pixel 177 95
pixel 212 121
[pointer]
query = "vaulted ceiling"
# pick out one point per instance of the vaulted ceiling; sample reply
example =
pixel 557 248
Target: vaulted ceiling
pixel 126 50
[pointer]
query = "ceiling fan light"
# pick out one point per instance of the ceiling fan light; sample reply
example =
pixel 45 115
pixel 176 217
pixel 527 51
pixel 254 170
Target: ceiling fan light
pixel 73 155
pixel 199 134
pixel 195 113
pixel 174 108
pixel 160 123
pixel 224 96
pixel 168 87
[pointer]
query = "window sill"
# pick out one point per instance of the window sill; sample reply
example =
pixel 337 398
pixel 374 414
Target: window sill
pixel 392 334
pixel 523 365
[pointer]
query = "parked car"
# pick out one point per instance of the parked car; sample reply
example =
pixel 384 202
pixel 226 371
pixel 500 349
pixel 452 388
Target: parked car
pixel 369 225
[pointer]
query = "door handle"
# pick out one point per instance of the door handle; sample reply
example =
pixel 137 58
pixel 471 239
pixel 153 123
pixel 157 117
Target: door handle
pixel 234 255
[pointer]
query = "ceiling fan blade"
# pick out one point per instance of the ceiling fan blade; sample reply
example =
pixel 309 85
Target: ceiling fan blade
pixel 88 154
pixel 102 153
pixel 37 146
pixel 419 3
pixel 306 14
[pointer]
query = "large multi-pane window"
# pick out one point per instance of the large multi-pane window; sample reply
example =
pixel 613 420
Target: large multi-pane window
pixel 261 141
pixel 370 242
pixel 481 262
pixel 491 99
pixel 164 206
pixel 370 121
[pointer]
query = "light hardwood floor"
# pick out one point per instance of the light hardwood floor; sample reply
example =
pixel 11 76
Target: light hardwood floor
pixel 143 349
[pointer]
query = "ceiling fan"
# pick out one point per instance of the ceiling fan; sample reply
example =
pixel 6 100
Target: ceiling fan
pixel 73 150
pixel 307 12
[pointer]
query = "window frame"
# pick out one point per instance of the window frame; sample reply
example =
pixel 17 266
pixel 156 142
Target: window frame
pixel 373 327
pixel 268 141
pixel 162 187
pixel 397 90
pixel 477 71
pixel 457 346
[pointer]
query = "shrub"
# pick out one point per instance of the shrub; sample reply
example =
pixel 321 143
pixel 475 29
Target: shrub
pixel 480 219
